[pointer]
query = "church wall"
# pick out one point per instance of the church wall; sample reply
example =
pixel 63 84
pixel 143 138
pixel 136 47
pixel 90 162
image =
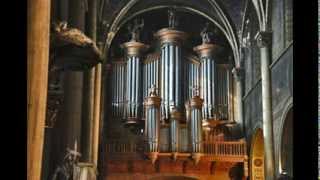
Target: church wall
pixel 281 77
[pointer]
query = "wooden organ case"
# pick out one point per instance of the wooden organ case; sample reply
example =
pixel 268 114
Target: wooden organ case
pixel 171 106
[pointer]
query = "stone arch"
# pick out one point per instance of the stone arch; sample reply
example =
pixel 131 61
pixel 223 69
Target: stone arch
pixel 257 156
pixel 225 24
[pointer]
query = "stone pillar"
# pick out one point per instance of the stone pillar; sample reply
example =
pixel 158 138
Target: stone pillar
pixel 264 43
pixel 97 113
pixel 73 86
pixel 88 91
pixel 37 82
pixel 237 74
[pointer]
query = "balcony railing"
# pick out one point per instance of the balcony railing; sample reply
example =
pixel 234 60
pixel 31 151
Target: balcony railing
pixel 215 148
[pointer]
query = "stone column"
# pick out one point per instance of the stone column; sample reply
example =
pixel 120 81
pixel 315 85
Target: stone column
pixel 237 75
pixel 37 82
pixel 97 113
pixel 88 91
pixel 264 43
pixel 73 86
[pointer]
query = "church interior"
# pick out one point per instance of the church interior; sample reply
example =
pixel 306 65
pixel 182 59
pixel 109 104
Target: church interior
pixel 160 90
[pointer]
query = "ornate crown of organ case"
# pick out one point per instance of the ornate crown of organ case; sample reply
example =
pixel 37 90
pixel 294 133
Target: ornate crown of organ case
pixel 177 103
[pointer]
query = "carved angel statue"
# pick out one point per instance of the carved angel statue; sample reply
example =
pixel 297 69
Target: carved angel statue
pixel 135 29
pixel 173 20
pixel 195 90
pixel 205 34
pixel 153 90
pixel 66 170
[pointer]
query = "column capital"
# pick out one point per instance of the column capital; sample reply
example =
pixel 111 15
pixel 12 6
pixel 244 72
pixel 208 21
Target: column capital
pixel 237 73
pixel 264 38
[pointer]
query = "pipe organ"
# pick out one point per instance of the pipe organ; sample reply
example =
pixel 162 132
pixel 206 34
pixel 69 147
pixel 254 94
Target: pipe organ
pixel 133 52
pixel 174 113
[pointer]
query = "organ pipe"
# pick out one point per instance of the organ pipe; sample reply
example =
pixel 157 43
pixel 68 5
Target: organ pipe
pixel 152 117
pixel 174 131
pixel 171 70
pixel 196 127
pixel 118 84
pixel 208 72
pixel 133 51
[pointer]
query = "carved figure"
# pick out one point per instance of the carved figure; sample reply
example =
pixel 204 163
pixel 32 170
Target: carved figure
pixel 195 90
pixel 66 170
pixel 135 29
pixel 205 34
pixel 173 20
pixel 153 90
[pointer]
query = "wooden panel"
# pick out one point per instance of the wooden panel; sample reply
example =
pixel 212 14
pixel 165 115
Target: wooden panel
pixel 169 166
pixel 201 168
pixel 117 167
pixel 143 167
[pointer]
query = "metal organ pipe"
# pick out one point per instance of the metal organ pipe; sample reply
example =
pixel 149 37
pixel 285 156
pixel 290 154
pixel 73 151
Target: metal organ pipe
pixel 174 131
pixel 152 111
pixel 133 51
pixel 208 71
pixel 196 127
pixel 171 74
pixel 118 84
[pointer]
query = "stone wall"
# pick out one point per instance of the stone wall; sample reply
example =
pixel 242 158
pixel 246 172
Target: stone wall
pixel 281 77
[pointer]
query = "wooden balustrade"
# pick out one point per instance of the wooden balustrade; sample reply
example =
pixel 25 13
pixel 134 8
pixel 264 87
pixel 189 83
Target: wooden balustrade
pixel 216 148
pixel 225 148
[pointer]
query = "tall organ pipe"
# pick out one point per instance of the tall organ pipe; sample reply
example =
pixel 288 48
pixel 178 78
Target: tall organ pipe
pixel 196 127
pixel 174 131
pixel 207 75
pixel 118 83
pixel 171 72
pixel 133 51
pixel 152 116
